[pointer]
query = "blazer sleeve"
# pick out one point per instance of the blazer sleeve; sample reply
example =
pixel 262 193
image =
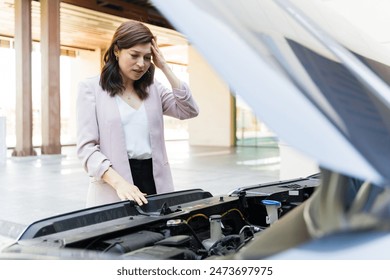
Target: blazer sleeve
pixel 88 148
pixel 178 103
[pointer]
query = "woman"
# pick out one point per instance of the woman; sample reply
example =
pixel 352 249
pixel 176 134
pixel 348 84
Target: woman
pixel 120 131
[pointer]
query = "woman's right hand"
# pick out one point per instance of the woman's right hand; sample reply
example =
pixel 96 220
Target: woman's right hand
pixel 127 191
pixel 124 189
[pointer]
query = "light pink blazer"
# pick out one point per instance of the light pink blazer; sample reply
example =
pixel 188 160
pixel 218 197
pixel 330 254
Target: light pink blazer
pixel 101 139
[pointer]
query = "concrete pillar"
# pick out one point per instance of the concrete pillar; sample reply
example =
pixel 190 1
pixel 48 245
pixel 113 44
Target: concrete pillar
pixel 23 48
pixel 50 51
pixel 215 124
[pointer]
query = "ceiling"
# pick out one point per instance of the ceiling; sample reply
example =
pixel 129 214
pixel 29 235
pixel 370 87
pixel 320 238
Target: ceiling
pixel 91 24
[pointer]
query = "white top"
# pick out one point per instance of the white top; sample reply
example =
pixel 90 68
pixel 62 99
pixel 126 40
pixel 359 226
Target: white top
pixel 136 128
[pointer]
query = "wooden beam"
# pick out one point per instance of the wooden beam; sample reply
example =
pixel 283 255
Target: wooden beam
pixel 50 77
pixel 23 48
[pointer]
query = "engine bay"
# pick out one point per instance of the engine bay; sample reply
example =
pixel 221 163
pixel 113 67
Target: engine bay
pixel 182 225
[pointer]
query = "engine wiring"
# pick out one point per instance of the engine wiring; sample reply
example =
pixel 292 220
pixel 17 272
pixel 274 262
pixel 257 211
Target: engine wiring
pixel 196 215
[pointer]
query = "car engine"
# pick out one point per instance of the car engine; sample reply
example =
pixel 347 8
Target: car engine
pixel 183 225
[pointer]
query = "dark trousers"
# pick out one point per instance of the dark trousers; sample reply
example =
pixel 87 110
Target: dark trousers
pixel 142 171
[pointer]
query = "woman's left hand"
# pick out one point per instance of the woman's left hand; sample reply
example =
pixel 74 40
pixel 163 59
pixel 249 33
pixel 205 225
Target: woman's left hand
pixel 160 62
pixel 158 58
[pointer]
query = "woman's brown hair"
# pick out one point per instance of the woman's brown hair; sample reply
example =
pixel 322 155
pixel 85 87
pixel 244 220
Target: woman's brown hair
pixel 128 34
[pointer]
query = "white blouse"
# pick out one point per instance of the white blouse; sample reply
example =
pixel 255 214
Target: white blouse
pixel 136 128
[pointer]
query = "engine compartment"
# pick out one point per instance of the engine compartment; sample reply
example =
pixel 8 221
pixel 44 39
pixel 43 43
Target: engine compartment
pixel 184 225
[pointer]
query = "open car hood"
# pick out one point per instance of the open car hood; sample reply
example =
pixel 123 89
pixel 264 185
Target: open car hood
pixel 315 86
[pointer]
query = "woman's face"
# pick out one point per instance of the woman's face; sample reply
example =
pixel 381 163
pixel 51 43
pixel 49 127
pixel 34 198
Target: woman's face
pixel 135 61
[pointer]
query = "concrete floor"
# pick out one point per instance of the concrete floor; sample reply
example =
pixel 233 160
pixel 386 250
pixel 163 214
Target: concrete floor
pixel 33 188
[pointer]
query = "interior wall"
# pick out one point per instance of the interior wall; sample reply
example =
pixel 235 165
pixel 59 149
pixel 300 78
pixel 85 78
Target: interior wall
pixel 213 126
